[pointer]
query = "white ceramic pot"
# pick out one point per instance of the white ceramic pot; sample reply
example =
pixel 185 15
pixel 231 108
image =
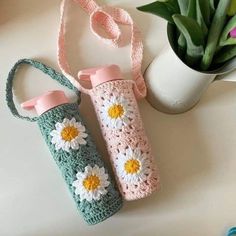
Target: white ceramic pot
pixel 173 87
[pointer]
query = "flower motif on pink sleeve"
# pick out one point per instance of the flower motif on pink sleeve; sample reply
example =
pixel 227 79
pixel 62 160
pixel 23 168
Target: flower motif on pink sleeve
pixel 116 112
pixel 133 166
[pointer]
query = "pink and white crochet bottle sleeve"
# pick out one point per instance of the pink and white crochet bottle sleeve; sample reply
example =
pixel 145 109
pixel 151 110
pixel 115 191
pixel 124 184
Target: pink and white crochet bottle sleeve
pixel 127 143
pixel 115 102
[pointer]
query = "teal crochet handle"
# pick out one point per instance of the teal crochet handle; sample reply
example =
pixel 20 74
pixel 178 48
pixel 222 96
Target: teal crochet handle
pixel 74 151
pixel 47 70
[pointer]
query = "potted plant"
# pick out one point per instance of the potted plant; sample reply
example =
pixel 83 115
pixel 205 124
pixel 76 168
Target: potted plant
pixel 202 39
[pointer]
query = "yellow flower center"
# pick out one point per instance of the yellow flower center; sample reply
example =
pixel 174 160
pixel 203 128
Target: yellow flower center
pixel 91 182
pixel 132 166
pixel 69 133
pixel 116 111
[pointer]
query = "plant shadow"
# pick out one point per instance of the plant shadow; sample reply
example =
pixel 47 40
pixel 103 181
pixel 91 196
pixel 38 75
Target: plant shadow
pixel 218 90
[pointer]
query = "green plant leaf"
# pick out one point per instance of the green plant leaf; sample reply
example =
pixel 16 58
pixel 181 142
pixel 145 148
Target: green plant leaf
pixel 203 15
pixel 183 6
pixel 191 12
pixel 164 9
pixel 173 4
pixel 193 35
pixel 188 7
pixel 225 38
pixel 226 54
pixel 203 7
pixel 232 8
pixel 216 3
pixel 212 5
pixel 182 46
pixel 214 33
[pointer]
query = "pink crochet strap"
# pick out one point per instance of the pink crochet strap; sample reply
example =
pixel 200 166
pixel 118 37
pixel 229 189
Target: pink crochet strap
pixel 108 18
pixel 88 5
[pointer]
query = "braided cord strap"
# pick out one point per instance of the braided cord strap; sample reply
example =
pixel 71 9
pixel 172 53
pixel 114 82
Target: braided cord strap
pixel 108 18
pixel 38 65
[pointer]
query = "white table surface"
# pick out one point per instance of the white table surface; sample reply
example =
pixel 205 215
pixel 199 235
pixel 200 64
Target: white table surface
pixel 195 151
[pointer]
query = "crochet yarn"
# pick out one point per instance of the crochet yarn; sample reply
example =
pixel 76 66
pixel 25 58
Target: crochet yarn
pixel 127 143
pixel 70 163
pixel 73 150
pixel 108 19
pixel 115 102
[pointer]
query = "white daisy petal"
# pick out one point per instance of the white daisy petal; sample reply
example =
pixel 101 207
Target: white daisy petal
pixel 57 147
pixel 54 133
pixel 73 120
pixel 102 171
pixel 88 169
pixel 81 128
pixel 96 168
pixel 125 120
pixel 83 135
pixel 77 192
pixel 81 141
pixel 106 183
pixel 80 175
pixel 58 126
pixel 54 140
pixel 74 145
pixel 75 183
pixel 118 123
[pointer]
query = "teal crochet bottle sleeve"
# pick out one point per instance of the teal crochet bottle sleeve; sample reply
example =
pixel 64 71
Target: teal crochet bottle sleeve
pixel 74 151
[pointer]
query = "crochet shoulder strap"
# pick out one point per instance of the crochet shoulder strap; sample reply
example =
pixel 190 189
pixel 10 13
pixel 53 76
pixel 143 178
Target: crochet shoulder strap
pixel 108 18
pixel 47 70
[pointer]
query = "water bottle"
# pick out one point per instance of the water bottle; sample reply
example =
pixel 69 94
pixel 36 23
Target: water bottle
pixel 114 99
pixel 71 146
pixel 117 111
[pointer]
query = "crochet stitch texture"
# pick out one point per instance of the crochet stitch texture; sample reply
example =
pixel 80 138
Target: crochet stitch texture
pixel 76 160
pixel 80 158
pixel 115 102
pixel 130 135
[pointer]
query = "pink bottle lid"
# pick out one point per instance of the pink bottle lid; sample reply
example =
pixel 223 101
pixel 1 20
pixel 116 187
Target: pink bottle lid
pixel 102 74
pixel 46 101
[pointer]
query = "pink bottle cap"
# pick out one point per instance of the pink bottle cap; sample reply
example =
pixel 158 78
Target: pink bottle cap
pixel 46 101
pixel 102 74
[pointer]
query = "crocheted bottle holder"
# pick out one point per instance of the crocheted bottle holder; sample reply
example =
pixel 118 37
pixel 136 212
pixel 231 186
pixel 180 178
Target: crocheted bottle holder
pixel 74 151
pixel 116 106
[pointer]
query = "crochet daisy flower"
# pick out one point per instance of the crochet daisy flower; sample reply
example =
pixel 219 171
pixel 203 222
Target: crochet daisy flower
pixel 69 134
pixel 116 112
pixel 132 166
pixel 91 184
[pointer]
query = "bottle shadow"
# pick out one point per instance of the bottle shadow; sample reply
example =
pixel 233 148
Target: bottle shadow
pixel 182 155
